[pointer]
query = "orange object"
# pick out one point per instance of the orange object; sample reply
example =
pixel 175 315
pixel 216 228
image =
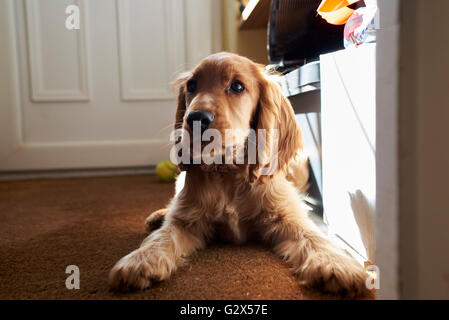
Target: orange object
pixel 336 11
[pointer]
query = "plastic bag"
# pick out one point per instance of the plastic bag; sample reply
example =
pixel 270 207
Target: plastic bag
pixel 360 27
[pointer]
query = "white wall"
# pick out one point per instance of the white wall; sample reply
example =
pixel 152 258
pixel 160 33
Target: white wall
pixel 424 150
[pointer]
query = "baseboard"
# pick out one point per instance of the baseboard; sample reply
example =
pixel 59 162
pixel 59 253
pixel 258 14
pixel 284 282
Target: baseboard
pixel 74 173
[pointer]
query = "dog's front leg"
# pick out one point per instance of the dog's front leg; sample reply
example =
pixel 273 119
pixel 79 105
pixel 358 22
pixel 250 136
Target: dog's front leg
pixel 317 262
pixel 155 219
pixel 158 256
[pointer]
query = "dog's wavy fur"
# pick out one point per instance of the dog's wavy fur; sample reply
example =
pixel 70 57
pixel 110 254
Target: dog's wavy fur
pixel 239 203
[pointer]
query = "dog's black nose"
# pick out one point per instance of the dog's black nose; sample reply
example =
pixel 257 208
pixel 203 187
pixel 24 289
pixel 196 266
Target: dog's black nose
pixel 204 117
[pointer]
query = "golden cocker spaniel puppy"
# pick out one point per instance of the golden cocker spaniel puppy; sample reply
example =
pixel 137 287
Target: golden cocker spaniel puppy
pixel 232 95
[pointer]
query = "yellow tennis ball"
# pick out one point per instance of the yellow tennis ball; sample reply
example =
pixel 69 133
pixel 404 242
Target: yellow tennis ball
pixel 166 171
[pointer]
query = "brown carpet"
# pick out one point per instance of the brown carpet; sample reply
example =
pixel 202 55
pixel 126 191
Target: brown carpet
pixel 48 224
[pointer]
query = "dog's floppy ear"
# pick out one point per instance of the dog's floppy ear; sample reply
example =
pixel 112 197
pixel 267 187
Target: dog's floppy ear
pixel 276 116
pixel 178 84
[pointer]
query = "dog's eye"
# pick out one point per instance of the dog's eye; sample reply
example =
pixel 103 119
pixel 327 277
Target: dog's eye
pixel 191 86
pixel 236 87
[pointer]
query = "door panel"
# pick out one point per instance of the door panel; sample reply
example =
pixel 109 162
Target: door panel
pixel 54 53
pixel 141 76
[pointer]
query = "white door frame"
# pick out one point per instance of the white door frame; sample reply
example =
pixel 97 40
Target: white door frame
pixel 387 162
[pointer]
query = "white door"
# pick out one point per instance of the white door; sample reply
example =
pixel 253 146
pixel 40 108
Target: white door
pixel 98 96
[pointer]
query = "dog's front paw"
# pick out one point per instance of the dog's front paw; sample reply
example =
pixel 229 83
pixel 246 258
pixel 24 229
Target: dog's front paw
pixel 136 271
pixel 335 274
